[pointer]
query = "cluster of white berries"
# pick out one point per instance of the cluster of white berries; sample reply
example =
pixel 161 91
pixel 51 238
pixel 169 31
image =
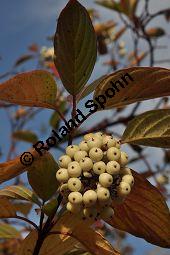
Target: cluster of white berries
pixel 92 174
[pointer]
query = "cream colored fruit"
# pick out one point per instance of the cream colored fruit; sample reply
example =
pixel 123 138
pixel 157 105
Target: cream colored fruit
pixel 89 198
pixel 75 198
pixel 86 164
pixel 125 170
pixel 99 167
pixel 74 169
pixel 88 136
pixel 123 189
pixel 113 154
pixel 94 142
pixel 83 146
pixel 90 213
pixel 123 158
pixel 128 178
pixel 64 161
pixel 103 194
pixel 113 167
pixel 71 150
pixel 62 175
pixel 87 174
pixel 74 184
pixel 79 155
pixel 96 154
pixel 73 208
pixel 105 180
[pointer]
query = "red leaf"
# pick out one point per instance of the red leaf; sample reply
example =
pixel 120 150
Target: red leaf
pixel 144 214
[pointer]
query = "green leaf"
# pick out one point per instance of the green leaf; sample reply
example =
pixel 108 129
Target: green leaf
pixel 91 87
pixel 42 177
pixel 132 85
pixel 26 136
pixel 19 192
pixel 144 213
pixel 7 231
pixel 50 207
pixel 35 88
pixel 151 128
pixel 7 210
pixel 75 47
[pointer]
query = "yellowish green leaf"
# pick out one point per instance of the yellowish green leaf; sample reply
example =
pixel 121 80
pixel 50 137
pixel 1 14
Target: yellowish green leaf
pixel 26 136
pixel 50 207
pixel 19 192
pixel 35 88
pixel 75 47
pixel 7 231
pixel 151 128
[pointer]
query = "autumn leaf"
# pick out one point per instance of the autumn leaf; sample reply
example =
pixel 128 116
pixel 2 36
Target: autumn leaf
pixel 144 213
pixel 19 192
pixel 23 208
pixel 7 210
pixel 132 85
pixel 25 135
pixel 23 59
pixel 155 32
pixel 151 128
pixel 42 177
pixel 75 64
pixel 66 234
pixel 8 231
pixel 35 88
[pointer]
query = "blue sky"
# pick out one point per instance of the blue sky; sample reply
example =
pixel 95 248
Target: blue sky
pixel 25 22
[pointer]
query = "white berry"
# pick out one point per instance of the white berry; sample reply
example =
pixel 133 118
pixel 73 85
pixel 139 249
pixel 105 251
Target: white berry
pixel 79 155
pixel 94 142
pixel 74 169
pixel 89 198
pixel 64 161
pixel 83 146
pixel 71 150
pixel 87 174
pixel 123 189
pixel 113 154
pixel 128 178
pixel 74 184
pixel 90 213
pixel 73 208
pixel 107 213
pixel 103 194
pixel 113 167
pixel 62 175
pixel 88 136
pixel 105 180
pixel 64 189
pixel 99 135
pixel 99 167
pixel 123 158
pixel 75 197
pixel 86 164
pixel 117 144
pixel 125 170
pixel 96 154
